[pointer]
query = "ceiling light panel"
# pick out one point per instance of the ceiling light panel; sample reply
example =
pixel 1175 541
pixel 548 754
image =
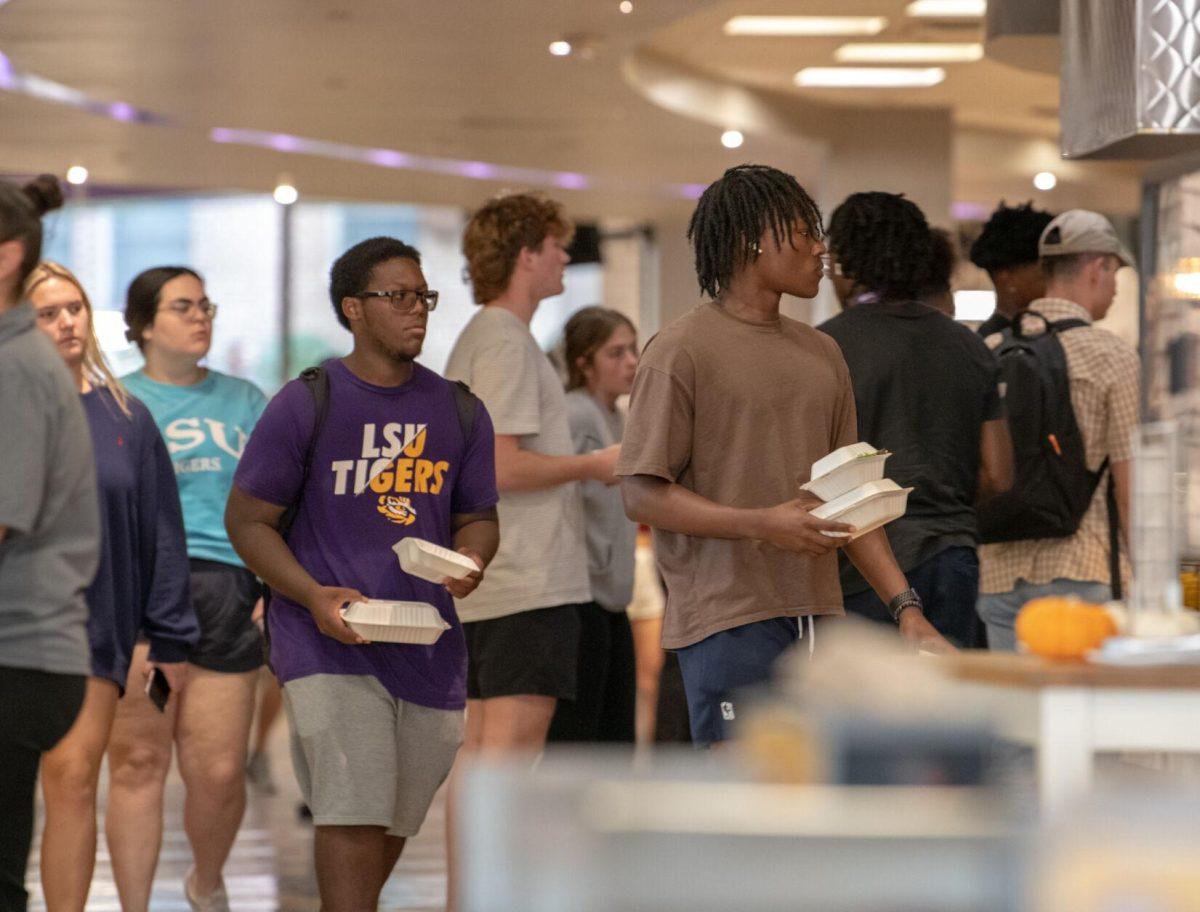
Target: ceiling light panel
pixel 909 53
pixel 805 26
pixel 869 77
pixel 947 9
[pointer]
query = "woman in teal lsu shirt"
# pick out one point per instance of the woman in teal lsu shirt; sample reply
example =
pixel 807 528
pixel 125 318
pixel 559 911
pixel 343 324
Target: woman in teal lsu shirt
pixel 205 418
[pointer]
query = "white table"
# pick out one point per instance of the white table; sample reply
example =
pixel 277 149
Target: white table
pixel 1070 711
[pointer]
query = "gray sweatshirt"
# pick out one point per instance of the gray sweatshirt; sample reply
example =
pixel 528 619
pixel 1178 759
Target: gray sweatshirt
pixel 611 536
pixel 47 502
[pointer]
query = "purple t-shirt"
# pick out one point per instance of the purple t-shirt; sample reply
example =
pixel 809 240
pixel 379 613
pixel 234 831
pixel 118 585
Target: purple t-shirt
pixel 390 462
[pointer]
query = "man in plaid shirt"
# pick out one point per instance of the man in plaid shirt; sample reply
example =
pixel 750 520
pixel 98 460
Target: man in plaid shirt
pixel 1080 255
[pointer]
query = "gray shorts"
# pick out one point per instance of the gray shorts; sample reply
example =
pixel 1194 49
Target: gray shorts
pixel 364 758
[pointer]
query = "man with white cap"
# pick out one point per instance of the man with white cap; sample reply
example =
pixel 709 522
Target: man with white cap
pixel 1080 256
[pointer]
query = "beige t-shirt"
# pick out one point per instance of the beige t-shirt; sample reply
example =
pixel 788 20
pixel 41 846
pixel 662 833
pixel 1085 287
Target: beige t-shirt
pixel 737 412
pixel 542 561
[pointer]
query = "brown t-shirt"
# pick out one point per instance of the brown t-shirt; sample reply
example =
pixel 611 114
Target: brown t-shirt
pixel 737 412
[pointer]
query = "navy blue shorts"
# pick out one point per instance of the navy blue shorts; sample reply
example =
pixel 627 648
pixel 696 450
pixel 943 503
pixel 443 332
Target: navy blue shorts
pixel 717 667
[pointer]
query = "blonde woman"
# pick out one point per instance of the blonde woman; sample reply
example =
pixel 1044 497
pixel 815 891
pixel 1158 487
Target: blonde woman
pixel 140 589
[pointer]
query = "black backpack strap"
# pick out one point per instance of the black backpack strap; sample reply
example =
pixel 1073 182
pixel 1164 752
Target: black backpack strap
pixel 1059 326
pixel 1052 326
pixel 317 381
pixel 1114 536
pixel 464 403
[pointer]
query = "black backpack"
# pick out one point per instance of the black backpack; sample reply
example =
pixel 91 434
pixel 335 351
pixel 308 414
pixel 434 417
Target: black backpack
pixel 1052 486
pixel 317 381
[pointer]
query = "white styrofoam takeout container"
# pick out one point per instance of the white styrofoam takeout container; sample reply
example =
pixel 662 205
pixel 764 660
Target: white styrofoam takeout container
pixel 427 561
pixel 382 621
pixel 867 507
pixel 845 469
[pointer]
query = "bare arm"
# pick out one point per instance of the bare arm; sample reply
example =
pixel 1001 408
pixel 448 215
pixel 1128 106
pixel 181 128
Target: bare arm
pixel 872 555
pixel 665 505
pixel 476 535
pixel 253 527
pixel 995 459
pixel 1123 479
pixel 524 470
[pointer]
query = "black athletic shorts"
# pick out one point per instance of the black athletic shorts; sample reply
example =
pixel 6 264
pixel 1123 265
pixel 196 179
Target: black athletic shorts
pixel 223 597
pixel 533 653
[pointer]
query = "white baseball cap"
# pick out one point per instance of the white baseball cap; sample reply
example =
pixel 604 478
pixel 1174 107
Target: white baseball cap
pixel 1081 231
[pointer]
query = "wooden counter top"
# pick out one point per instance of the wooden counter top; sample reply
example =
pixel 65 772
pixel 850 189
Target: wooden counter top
pixel 1016 670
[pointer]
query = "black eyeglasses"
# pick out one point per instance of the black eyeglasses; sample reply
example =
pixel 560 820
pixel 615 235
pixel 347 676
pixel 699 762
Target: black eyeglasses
pixel 405 302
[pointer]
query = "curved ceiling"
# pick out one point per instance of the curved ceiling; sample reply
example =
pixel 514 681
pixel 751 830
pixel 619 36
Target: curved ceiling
pixel 1005 118
pixel 471 84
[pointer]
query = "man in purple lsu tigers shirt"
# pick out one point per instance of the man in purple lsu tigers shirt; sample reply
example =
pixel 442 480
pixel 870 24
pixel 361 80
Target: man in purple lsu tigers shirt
pixel 375 726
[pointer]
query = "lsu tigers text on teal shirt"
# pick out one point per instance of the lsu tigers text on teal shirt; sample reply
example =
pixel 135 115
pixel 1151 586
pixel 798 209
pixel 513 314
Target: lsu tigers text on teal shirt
pixel 205 427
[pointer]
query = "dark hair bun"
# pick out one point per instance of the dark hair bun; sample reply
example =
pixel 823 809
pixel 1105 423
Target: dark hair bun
pixel 44 193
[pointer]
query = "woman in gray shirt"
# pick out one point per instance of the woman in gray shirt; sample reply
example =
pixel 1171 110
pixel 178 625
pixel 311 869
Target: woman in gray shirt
pixel 49 535
pixel 601 355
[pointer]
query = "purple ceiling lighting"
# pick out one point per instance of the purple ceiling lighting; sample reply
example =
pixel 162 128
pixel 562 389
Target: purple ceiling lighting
pixel 474 170
pixel 477 170
pixel 13 80
pixel 388 158
pixel 963 211
pixel 569 180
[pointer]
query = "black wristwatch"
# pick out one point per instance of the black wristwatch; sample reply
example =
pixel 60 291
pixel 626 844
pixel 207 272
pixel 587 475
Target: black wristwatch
pixel 906 599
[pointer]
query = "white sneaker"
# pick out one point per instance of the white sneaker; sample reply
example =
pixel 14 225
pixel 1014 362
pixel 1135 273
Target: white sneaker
pixel 216 901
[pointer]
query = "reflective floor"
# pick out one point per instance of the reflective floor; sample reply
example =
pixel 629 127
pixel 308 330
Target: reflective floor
pixel 271 864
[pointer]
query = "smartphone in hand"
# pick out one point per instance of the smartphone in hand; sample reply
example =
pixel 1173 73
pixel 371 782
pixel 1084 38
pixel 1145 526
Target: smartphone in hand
pixel 158 689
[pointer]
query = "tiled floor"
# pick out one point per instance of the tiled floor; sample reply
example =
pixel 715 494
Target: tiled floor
pixel 271 864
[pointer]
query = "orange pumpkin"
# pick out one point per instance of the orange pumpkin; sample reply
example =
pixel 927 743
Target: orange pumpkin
pixel 1063 628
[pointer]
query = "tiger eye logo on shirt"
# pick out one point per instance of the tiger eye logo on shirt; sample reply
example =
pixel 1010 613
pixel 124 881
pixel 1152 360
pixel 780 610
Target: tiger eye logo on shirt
pixel 392 464
pixel 398 510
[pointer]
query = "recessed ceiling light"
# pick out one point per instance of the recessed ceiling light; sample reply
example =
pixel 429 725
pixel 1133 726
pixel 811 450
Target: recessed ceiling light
pixel 806 26
pixel 286 194
pixel 626 7
pixel 1045 180
pixel 732 139
pixel 948 9
pixel 560 48
pixel 77 174
pixel 909 53
pixel 869 77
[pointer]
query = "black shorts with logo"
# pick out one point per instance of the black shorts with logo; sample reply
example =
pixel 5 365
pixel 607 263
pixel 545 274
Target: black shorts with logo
pixel 531 653
pixel 223 597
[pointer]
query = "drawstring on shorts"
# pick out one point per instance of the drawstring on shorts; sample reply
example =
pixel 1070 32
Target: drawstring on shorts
pixel 812 634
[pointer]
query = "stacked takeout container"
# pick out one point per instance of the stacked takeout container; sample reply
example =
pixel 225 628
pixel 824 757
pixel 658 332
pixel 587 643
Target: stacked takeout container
pixel 851 483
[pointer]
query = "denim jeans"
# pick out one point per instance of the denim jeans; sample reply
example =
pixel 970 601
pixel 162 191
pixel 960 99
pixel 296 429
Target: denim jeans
pixel 999 609
pixel 948 584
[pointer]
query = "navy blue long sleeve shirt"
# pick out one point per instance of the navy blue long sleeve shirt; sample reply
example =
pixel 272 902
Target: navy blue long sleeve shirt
pixel 142 584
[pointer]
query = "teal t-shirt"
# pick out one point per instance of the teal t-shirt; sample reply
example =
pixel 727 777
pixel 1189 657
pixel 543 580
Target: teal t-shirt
pixel 205 426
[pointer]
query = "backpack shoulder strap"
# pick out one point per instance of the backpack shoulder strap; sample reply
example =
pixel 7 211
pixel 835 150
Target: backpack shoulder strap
pixel 1063 325
pixel 1052 326
pixel 464 403
pixel 316 379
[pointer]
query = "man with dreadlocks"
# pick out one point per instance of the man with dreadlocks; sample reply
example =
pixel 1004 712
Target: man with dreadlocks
pixel 1008 250
pixel 731 406
pixel 926 389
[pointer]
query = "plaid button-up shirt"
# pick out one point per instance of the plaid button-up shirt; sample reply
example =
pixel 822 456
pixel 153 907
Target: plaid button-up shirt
pixel 1104 377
